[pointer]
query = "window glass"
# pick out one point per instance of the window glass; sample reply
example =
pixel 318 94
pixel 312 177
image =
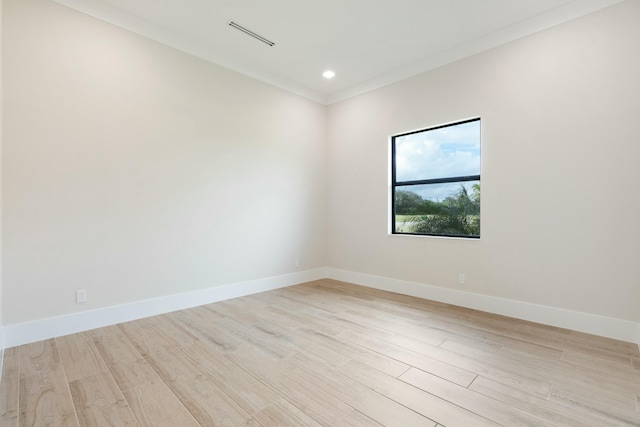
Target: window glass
pixel 436 181
pixel 441 152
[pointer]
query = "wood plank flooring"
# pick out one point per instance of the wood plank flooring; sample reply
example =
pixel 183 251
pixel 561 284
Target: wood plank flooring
pixel 323 354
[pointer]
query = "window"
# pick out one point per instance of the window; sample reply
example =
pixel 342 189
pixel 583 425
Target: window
pixel 435 181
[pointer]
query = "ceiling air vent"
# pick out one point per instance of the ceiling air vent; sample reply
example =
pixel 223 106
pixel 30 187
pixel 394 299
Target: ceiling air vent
pixel 251 33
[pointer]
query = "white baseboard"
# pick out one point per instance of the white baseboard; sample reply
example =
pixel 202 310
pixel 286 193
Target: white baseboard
pixel 619 329
pixel 24 333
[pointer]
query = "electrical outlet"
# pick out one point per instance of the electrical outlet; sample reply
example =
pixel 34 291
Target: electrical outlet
pixel 297 263
pixel 461 278
pixel 81 296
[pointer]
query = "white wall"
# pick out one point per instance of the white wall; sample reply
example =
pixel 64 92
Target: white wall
pixel 560 175
pixel 136 171
pixel 1 115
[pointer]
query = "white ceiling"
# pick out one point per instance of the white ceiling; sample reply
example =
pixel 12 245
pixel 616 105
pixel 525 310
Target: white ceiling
pixel 368 43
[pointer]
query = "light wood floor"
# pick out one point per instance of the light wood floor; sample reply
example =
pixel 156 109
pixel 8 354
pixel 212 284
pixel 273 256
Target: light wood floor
pixel 324 353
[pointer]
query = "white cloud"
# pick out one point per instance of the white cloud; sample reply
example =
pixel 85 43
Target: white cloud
pixel 439 153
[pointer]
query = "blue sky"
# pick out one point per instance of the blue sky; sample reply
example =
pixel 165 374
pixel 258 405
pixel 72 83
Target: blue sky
pixel 439 153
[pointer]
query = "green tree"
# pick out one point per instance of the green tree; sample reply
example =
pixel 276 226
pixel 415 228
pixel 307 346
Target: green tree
pixel 407 203
pixel 475 195
pixel 458 215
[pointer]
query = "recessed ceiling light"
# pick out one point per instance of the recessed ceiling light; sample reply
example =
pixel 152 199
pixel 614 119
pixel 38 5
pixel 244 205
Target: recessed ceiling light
pixel 328 74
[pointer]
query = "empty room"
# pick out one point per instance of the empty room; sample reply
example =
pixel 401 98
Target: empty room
pixel 342 213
